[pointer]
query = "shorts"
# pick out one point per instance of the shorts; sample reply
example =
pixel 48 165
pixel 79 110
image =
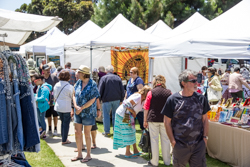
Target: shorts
pixel 50 112
pixel 87 120
pixel 94 127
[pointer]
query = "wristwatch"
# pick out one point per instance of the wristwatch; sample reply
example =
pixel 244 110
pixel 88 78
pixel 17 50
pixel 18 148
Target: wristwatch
pixel 98 109
pixel 206 137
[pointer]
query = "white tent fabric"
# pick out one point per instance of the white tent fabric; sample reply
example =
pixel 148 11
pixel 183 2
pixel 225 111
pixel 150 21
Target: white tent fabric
pixel 86 31
pixel 82 57
pixel 227 36
pixel 18 26
pixel 121 32
pixel 159 29
pixel 52 43
pixel 171 67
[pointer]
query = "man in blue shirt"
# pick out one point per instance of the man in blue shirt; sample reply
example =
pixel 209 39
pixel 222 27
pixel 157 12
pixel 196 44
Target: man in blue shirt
pixel 112 94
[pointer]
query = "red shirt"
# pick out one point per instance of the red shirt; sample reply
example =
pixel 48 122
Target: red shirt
pixel 148 101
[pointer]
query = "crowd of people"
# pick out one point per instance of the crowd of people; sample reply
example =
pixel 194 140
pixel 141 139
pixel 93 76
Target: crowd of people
pixel 179 118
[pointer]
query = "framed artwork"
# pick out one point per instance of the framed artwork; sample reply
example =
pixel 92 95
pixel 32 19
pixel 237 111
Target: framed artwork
pixel 223 116
pixel 55 59
pixel 39 60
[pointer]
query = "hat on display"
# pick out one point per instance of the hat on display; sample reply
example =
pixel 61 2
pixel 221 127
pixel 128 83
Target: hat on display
pixel 46 67
pixel 32 72
pixel 83 69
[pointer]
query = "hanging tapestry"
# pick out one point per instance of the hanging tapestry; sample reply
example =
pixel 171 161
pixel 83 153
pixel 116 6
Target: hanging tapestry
pixel 123 60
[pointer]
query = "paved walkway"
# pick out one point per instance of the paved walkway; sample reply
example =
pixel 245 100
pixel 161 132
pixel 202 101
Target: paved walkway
pixel 102 156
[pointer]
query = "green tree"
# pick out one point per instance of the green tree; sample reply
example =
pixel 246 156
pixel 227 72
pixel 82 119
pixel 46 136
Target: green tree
pixel 73 12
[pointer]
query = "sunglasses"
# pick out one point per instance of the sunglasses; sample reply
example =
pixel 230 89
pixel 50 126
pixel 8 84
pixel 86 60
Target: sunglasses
pixel 131 72
pixel 192 80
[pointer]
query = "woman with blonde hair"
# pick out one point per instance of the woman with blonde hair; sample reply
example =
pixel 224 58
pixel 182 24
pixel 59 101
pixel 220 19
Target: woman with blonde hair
pixel 124 130
pixel 153 119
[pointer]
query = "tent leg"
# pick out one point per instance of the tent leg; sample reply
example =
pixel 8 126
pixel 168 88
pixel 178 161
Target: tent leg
pixel 150 71
pixel 91 61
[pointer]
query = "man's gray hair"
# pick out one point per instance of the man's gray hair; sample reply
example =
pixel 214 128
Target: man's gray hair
pixel 109 68
pixel 184 76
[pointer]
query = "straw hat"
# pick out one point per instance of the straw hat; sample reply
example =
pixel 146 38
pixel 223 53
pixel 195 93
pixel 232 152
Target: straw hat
pixel 83 69
pixel 32 72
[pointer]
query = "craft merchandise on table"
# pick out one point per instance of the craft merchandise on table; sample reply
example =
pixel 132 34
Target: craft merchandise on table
pixel 229 132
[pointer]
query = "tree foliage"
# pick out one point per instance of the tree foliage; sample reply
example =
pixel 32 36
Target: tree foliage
pixel 73 12
pixel 145 13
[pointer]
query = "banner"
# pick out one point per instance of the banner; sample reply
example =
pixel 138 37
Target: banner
pixel 123 60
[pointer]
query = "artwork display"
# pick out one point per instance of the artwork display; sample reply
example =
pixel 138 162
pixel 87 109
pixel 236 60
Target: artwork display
pixel 39 60
pixel 55 59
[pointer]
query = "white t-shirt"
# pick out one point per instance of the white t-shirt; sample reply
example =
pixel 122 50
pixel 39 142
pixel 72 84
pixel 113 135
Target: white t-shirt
pixel 136 97
pixel 63 102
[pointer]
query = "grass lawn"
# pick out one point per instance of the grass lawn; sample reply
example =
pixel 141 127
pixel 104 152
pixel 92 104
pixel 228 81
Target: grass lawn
pixel 210 161
pixel 46 157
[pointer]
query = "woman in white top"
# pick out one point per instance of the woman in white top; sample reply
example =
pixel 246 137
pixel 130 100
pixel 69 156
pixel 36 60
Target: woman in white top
pixel 63 93
pixel 124 133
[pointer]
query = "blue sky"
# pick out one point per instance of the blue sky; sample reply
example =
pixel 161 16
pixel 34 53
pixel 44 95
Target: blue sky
pixel 12 4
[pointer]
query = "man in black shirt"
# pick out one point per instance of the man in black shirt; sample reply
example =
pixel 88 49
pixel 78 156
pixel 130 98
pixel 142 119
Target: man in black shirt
pixel 186 122
pixel 52 80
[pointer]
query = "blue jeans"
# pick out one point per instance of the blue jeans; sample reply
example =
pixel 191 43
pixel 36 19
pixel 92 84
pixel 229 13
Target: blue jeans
pixel 3 115
pixel 41 119
pixel 106 107
pixel 65 118
pixel 29 124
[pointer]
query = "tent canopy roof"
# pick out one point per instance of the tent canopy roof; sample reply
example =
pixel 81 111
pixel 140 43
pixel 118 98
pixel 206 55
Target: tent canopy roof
pixel 226 36
pixel 74 40
pixel 159 29
pixel 119 32
pixel 53 38
pixel 18 26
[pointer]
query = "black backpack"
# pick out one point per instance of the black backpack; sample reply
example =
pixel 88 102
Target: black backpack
pixel 144 143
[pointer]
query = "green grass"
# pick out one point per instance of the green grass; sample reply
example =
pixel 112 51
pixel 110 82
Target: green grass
pixel 211 162
pixel 46 157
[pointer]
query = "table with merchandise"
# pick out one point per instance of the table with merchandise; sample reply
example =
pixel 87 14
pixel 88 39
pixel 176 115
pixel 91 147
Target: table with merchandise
pixel 229 132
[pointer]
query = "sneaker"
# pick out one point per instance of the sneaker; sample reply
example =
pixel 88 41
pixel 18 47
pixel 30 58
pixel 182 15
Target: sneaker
pixel 42 133
pixel 44 137
pixel 55 133
pixel 49 132
pixel 105 134
pixel 150 164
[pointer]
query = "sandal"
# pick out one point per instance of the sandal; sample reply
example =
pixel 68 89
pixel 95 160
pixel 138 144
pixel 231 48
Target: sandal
pixel 76 159
pixel 67 142
pixel 76 150
pixel 131 156
pixel 85 160
pixel 94 146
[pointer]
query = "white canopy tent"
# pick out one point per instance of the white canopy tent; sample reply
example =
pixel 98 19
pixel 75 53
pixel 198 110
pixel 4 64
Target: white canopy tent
pixel 52 44
pixel 159 29
pixel 18 26
pixel 227 36
pixel 171 67
pixel 119 32
pixel 78 53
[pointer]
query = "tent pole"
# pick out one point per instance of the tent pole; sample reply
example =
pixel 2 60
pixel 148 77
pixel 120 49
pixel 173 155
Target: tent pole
pixel 91 61
pixel 150 71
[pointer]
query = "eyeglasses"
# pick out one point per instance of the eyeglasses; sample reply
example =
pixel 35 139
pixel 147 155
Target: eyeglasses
pixel 131 72
pixel 192 80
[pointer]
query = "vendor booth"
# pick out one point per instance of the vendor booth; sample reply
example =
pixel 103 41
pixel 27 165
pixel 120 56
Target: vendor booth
pixel 119 33
pixel 49 46
pixel 171 67
pixel 18 119
pixel 224 37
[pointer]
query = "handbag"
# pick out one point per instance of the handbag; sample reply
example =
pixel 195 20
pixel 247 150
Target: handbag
pixel 126 118
pixel 213 95
pixel 144 143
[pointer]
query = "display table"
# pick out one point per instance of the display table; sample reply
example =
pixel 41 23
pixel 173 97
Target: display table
pixel 229 144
